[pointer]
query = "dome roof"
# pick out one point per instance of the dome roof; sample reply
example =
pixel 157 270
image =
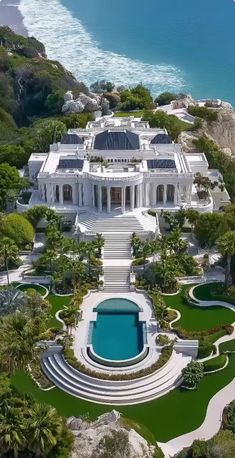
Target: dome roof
pixel 71 139
pixel 111 140
pixel 161 139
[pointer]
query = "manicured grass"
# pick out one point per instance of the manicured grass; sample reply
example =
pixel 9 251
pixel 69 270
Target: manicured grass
pixel 57 302
pixel 227 346
pixel 126 114
pixel 215 363
pixel 196 318
pixel 37 288
pixel 206 292
pixel 176 413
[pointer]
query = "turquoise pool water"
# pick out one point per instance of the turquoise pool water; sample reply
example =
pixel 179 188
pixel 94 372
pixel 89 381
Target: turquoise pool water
pixel 117 334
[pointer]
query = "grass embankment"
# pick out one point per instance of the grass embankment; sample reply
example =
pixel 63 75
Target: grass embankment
pixel 207 292
pixel 37 288
pixel 58 303
pixel 215 363
pixel 196 318
pixel 166 417
pixel 126 114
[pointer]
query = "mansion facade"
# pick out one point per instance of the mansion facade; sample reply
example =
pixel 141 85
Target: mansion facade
pixel 120 163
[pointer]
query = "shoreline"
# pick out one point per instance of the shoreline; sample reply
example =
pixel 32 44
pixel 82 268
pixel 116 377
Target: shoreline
pixel 11 16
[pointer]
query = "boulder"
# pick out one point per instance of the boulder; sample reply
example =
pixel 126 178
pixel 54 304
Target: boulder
pixel 90 438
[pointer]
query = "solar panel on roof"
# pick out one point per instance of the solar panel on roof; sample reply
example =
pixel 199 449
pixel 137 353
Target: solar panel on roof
pixel 161 139
pixel 71 139
pixel 109 140
pixel 161 164
pixel 70 164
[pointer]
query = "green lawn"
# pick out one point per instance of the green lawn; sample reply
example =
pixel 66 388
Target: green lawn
pixel 37 288
pixel 176 413
pixel 125 114
pixel 196 318
pixel 227 346
pixel 57 302
pixel 205 292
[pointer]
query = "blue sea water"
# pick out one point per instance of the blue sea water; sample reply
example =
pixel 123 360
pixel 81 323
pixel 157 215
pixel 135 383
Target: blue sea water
pixel 181 45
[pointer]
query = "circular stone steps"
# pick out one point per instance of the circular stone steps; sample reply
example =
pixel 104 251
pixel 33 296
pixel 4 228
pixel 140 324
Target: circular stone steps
pixel 113 392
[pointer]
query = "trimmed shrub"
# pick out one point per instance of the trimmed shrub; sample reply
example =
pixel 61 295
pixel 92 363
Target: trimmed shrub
pixel 17 228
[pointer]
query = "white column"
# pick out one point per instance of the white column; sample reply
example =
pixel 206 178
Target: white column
pixel 132 197
pixel 138 196
pixel 146 200
pixel 93 195
pixel 165 194
pixel 61 200
pixel 108 199
pixel 80 194
pixel 74 194
pixel 175 195
pixel 100 198
pixel 141 195
pixel 123 199
pixel 153 194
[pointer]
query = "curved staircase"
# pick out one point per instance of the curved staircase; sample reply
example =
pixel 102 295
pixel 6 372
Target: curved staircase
pixel 113 392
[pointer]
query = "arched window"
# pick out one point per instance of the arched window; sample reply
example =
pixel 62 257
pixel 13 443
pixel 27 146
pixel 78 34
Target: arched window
pixel 170 194
pixel 160 193
pixel 67 193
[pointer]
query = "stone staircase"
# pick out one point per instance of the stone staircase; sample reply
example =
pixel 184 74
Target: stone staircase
pixel 116 230
pixel 126 392
pixel 117 245
pixel 100 222
pixel 117 248
pixel 116 279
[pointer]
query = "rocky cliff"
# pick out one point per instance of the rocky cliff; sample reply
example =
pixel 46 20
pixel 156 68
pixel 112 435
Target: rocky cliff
pixel 221 131
pixel 108 437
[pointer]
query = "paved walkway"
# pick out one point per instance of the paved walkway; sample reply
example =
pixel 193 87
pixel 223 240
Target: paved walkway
pixel 16 275
pixel 210 425
pixel 212 421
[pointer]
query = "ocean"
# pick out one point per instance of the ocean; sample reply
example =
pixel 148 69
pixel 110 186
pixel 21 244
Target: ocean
pixel 177 45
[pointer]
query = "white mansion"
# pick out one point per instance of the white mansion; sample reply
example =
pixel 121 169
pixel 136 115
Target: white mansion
pixel 120 163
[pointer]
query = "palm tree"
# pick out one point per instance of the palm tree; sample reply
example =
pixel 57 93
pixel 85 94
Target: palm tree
pixel 226 246
pixel 45 427
pixel 12 431
pixel 8 252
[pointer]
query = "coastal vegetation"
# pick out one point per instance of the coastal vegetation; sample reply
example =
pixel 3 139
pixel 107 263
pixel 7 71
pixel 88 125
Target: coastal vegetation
pixel 161 119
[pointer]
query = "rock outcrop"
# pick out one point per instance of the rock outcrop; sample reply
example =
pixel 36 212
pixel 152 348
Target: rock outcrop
pixel 89 103
pixel 107 434
pixel 221 131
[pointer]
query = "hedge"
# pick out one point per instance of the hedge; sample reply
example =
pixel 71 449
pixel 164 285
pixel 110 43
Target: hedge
pixel 162 360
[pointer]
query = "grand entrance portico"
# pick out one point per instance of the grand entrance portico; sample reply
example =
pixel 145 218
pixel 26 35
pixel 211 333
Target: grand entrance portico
pixel 111 197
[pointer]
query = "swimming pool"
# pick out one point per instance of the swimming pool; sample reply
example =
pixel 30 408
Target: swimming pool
pixel 117 333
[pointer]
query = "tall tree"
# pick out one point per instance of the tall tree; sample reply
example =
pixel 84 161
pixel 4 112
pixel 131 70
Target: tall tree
pixel 8 252
pixel 12 429
pixel 226 246
pixel 45 427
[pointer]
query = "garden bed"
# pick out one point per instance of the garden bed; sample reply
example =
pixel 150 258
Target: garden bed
pixel 32 286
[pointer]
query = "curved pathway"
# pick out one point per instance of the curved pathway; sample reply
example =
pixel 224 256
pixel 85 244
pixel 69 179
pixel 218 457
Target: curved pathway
pixel 212 421
pixel 210 425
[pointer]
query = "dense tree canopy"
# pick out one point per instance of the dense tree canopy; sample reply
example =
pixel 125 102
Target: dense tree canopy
pixel 161 119
pixel 17 228
pixel 9 181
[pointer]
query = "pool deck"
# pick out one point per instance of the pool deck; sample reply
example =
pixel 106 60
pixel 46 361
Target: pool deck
pixel 81 333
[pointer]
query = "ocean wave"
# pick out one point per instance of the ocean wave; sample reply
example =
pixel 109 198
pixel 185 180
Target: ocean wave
pixel 67 40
